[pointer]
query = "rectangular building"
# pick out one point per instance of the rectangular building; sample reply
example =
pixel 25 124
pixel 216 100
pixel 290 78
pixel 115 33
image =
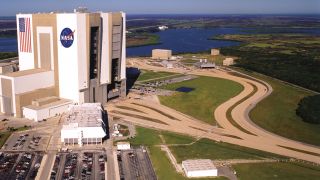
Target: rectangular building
pixel 161 54
pixel 199 168
pixel 76 56
pixel 85 124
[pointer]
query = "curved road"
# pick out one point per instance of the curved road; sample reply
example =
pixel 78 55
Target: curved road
pixel 258 138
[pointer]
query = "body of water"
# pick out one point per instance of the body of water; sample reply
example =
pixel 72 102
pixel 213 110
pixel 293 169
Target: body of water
pixel 184 40
pixel 8 44
pixel 187 40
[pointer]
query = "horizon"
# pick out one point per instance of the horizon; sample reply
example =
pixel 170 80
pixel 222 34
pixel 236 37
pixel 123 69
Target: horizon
pixel 140 7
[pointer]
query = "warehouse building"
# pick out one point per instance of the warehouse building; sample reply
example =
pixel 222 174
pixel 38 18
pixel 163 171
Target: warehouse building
pixel 161 54
pixel 228 62
pixel 44 108
pixel 215 52
pixel 85 124
pixel 199 168
pixel 76 56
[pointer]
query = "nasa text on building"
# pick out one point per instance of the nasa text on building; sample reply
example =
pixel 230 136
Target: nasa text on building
pixel 74 56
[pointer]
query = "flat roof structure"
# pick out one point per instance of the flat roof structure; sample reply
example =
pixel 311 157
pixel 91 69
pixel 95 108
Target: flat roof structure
pixel 85 115
pixel 199 168
pixel 84 124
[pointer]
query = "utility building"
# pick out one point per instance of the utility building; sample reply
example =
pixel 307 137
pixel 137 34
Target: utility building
pixel 76 56
pixel 162 54
pixel 199 168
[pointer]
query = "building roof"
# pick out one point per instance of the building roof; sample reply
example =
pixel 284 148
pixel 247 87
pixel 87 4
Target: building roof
pixel 85 115
pixel 56 102
pixel 198 165
pixel 123 143
pixel 25 72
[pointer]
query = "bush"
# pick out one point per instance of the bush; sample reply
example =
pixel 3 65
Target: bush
pixel 309 109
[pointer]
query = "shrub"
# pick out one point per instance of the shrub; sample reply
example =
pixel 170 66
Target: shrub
pixel 309 109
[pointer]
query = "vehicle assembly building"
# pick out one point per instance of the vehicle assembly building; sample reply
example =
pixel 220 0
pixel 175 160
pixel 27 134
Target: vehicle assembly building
pixel 76 56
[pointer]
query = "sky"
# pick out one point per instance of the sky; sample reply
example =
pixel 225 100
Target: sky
pixel 12 7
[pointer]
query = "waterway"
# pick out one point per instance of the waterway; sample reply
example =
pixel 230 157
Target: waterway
pixel 179 40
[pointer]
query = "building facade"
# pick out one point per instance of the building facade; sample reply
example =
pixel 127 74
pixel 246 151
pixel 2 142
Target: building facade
pixel 76 56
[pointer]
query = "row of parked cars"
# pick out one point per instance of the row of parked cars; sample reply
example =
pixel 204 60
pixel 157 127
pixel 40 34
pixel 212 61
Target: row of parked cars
pixel 70 166
pixel 7 161
pixel 19 166
pixel 20 142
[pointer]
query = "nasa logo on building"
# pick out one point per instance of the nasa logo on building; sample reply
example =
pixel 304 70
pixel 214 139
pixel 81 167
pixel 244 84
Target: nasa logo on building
pixel 67 37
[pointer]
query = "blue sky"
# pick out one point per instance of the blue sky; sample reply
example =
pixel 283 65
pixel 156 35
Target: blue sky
pixel 11 7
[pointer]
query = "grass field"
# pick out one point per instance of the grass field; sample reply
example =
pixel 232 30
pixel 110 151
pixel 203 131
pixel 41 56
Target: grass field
pixel 3 137
pixel 200 103
pixel 147 75
pixel 142 39
pixel 206 148
pixel 209 149
pixel 277 113
pixel 266 171
pixel 164 168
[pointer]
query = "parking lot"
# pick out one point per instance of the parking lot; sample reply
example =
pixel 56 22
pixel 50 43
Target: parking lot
pixel 29 141
pixel 86 165
pixel 135 164
pixel 19 165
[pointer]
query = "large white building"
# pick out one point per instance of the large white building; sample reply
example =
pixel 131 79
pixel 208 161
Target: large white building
pixel 75 56
pixel 199 168
pixel 84 124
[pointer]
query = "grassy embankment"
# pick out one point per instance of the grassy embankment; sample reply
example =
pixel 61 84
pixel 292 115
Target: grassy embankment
pixel 206 148
pixel 6 55
pixel 266 171
pixel 142 39
pixel 148 75
pixel 277 113
pixel 6 134
pixel 208 94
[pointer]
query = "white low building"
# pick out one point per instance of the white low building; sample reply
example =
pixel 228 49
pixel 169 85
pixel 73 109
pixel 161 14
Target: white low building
pixel 123 145
pixel 84 124
pixel 199 168
pixel 45 108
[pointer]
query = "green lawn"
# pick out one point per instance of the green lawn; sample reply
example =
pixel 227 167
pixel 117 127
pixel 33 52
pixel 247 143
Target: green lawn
pixel 3 137
pixel 206 148
pixel 209 149
pixel 147 137
pixel 146 75
pixel 173 138
pixel 164 168
pixel 208 94
pixel 284 171
pixel 277 113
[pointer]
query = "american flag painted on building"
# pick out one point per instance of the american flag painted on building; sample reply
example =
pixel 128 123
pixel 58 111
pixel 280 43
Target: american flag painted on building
pixel 25 35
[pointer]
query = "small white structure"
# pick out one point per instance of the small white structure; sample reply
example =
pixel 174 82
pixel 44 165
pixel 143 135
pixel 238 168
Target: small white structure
pixel 44 108
pixel 162 28
pixel 84 125
pixel 228 62
pixel 123 145
pixel 199 168
pixel 215 52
